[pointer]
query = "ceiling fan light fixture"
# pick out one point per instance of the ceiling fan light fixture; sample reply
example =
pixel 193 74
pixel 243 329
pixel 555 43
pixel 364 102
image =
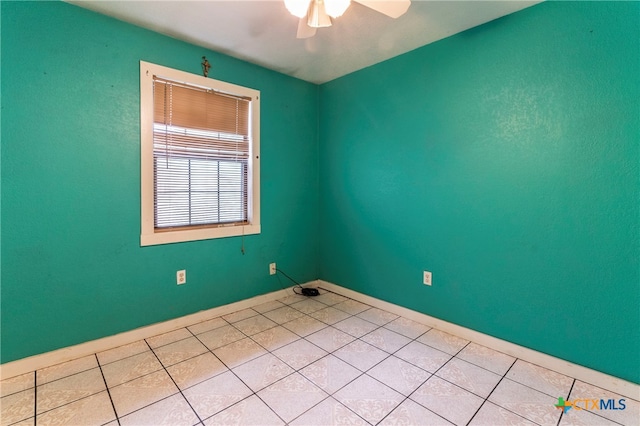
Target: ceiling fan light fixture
pixel 335 8
pixel 297 8
pixel 317 17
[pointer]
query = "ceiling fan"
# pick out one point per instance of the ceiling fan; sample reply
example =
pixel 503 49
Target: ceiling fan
pixel 316 14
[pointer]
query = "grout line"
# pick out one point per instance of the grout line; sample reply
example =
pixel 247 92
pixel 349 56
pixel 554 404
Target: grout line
pixel 72 402
pixel 115 413
pixel 174 382
pixel 234 373
pixel 35 398
pixel 589 411
pixel 492 390
pixel 425 381
pixel 568 394
pixel 61 378
pixel 166 344
pixel 297 370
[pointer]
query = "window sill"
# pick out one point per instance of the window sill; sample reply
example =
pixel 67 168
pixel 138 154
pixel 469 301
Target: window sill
pixel 157 238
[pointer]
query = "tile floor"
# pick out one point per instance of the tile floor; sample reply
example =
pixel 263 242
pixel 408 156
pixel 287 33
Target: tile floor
pixel 302 361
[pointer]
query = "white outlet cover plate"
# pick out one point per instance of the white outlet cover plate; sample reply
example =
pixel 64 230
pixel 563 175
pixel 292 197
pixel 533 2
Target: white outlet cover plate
pixel 426 279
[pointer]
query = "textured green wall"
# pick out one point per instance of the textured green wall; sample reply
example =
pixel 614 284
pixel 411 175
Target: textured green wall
pixel 504 160
pixel 72 266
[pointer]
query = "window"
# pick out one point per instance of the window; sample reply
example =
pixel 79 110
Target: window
pixel 199 157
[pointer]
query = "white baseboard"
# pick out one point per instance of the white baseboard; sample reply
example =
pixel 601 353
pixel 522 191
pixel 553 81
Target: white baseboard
pixel 36 362
pixel 596 378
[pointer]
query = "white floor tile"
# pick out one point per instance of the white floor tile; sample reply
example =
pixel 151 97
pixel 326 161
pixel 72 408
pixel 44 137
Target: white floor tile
pixel 492 415
pixel 262 372
pixel 65 369
pixel 221 336
pixel 329 412
pixel 377 316
pixel 216 394
pixel 93 410
pixel 30 422
pixel 385 339
pixel 254 325
pixel 304 325
pixel 146 390
pixel 486 358
pixel 17 384
pixel 293 298
pixel 357 327
pixel 330 339
pixel 351 306
pixel 442 341
pixel 361 355
pixel 237 353
pixel 17 406
pixel 629 416
pixel 469 376
pixel 179 351
pixel 69 389
pixel 585 418
pixel 330 373
pixel 248 412
pixel 308 306
pixel 196 370
pixel 526 402
pixel 239 315
pixel 399 375
pixel 299 353
pixel 329 298
pixel 541 379
pixel 407 327
pixel 268 306
pixel 369 398
pixel 130 368
pixel 172 411
pixel 122 352
pixel 423 356
pixel 283 314
pixel 207 325
pixel 447 400
pixel 275 338
pixel 410 413
pixel 292 396
pixel 330 315
pixel 170 337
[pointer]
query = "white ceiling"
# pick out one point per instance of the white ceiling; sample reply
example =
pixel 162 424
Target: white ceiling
pixel 264 32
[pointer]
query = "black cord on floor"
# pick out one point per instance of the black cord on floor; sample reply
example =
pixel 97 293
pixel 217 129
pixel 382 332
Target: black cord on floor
pixel 309 292
pixel 292 280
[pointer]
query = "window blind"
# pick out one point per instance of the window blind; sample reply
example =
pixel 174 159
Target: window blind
pixel 201 148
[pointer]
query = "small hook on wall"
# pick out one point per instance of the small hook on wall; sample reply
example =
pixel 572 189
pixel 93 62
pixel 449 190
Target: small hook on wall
pixel 205 66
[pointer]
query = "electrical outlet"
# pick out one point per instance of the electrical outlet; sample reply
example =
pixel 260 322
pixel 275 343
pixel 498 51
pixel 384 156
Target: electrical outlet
pixel 181 277
pixel 426 278
pixel 272 268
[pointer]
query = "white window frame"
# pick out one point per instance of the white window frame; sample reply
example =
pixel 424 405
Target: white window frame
pixel 149 235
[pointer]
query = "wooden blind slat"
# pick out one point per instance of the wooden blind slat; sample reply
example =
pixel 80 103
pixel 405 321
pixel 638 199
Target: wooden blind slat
pixel 197 109
pixel 201 147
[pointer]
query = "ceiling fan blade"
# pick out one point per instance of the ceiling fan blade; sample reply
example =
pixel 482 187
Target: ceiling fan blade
pixel 317 16
pixel 304 30
pixel 391 8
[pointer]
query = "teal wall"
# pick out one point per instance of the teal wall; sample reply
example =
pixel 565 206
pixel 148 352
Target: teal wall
pixel 504 160
pixel 72 266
